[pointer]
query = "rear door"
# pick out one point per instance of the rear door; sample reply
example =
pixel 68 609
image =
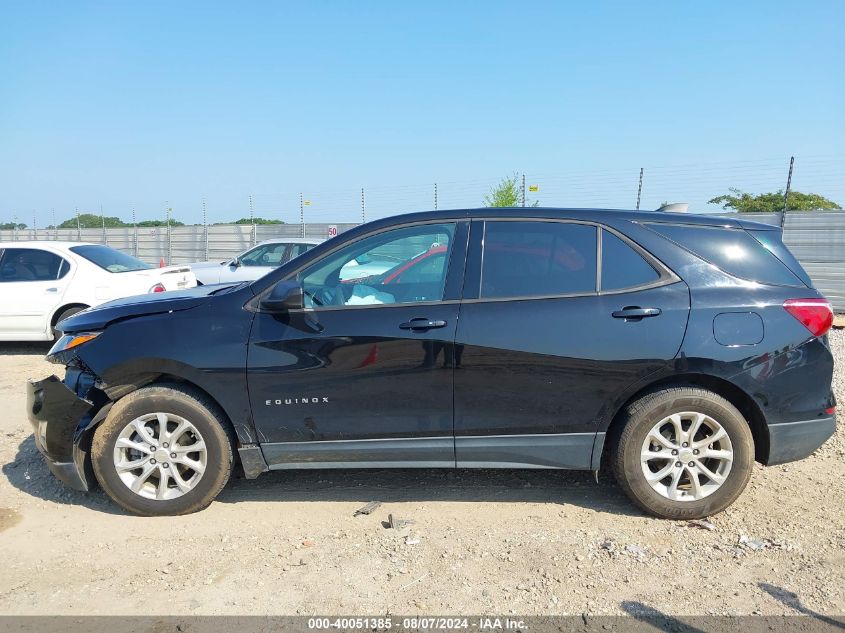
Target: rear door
pixel 558 319
pixel 32 284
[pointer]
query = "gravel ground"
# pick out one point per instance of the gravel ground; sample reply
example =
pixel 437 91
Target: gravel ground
pixel 523 542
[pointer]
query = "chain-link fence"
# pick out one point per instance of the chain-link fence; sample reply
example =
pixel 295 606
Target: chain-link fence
pixel 646 187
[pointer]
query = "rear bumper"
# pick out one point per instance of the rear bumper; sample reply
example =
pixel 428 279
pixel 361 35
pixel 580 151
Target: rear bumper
pixel 56 413
pixel 791 441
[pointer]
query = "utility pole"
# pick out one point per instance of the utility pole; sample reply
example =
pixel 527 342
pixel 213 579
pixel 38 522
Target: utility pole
pixel 363 208
pixel 103 222
pixel 78 226
pixel 523 190
pixel 169 237
pixel 786 194
pixel 55 226
pixel 435 196
pixel 34 226
pixel 205 227
pixel 640 189
pixel 14 228
pixel 302 213
pixel 134 234
pixel 252 221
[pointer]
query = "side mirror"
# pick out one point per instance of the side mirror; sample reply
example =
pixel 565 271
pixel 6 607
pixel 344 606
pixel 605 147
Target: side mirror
pixel 285 296
pixel 235 263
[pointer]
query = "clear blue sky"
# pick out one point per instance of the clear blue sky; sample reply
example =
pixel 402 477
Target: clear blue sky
pixel 123 104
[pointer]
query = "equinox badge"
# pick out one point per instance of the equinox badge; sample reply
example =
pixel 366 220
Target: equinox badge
pixel 312 400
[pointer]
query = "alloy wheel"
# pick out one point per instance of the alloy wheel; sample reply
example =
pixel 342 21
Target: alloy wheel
pixel 160 456
pixel 686 456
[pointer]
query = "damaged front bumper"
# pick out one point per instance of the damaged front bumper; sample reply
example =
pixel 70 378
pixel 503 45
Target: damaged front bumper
pixel 60 417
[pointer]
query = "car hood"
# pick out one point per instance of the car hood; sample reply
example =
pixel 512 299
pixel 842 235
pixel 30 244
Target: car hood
pixel 139 305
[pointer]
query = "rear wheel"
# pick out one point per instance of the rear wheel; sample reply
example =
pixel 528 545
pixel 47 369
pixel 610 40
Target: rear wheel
pixel 163 450
pixel 683 453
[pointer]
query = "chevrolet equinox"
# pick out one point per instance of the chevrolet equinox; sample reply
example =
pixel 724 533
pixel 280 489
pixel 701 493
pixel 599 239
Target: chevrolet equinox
pixel 673 349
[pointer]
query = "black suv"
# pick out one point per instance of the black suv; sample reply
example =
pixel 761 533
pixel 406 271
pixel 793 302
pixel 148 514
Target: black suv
pixel 674 349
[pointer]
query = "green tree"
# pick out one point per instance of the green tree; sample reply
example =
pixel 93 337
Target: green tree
pixel 508 193
pixel 148 223
pixel 258 221
pixel 91 221
pixel 11 226
pixel 772 202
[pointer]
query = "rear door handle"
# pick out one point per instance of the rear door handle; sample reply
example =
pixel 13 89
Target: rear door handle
pixel 52 290
pixel 422 323
pixel 635 313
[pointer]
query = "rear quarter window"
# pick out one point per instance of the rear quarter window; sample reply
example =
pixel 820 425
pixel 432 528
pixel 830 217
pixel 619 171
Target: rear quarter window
pixel 623 267
pixel 732 250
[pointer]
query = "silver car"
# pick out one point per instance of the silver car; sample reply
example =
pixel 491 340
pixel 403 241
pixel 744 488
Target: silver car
pixel 255 262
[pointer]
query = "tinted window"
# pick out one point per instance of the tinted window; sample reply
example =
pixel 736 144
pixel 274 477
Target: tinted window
pixel 772 241
pixel 732 250
pixel 381 269
pixel 31 264
pixel 264 255
pixel 298 249
pixel 527 259
pixel 109 259
pixel 622 266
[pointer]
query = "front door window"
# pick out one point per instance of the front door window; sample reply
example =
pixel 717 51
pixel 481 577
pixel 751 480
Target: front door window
pixel 405 265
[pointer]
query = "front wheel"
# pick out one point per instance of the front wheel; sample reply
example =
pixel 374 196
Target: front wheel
pixel 683 453
pixel 163 450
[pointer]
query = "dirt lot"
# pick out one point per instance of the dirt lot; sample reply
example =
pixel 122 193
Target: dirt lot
pixel 524 542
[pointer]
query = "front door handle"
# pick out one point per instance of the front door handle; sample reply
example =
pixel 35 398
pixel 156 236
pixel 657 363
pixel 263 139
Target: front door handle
pixel 422 323
pixel 52 290
pixel 635 313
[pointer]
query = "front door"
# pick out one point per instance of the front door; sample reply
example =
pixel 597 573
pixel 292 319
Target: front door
pixel 544 344
pixel 363 375
pixel 32 284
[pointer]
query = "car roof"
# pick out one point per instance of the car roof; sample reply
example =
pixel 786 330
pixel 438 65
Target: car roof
pixel 292 240
pixel 576 213
pixel 42 243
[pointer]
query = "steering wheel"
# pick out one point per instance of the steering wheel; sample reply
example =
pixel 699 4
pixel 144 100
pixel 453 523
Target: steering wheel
pixel 329 297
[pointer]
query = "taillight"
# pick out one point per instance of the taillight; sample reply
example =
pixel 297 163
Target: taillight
pixel 158 288
pixel 815 314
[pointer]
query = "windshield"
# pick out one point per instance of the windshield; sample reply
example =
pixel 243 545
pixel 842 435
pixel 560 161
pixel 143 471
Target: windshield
pixel 109 259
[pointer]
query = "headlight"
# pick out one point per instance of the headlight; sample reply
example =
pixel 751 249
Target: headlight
pixel 69 341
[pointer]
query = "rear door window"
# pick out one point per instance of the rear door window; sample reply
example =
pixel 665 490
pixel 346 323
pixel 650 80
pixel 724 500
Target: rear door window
pixel 298 249
pixel 732 250
pixel 537 259
pixel 622 266
pixel 31 264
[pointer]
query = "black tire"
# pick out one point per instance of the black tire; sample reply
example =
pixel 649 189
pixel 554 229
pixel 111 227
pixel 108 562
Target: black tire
pixel 63 315
pixel 177 400
pixel 641 416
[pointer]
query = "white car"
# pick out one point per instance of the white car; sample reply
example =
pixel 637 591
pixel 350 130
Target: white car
pixel 42 283
pixel 255 262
